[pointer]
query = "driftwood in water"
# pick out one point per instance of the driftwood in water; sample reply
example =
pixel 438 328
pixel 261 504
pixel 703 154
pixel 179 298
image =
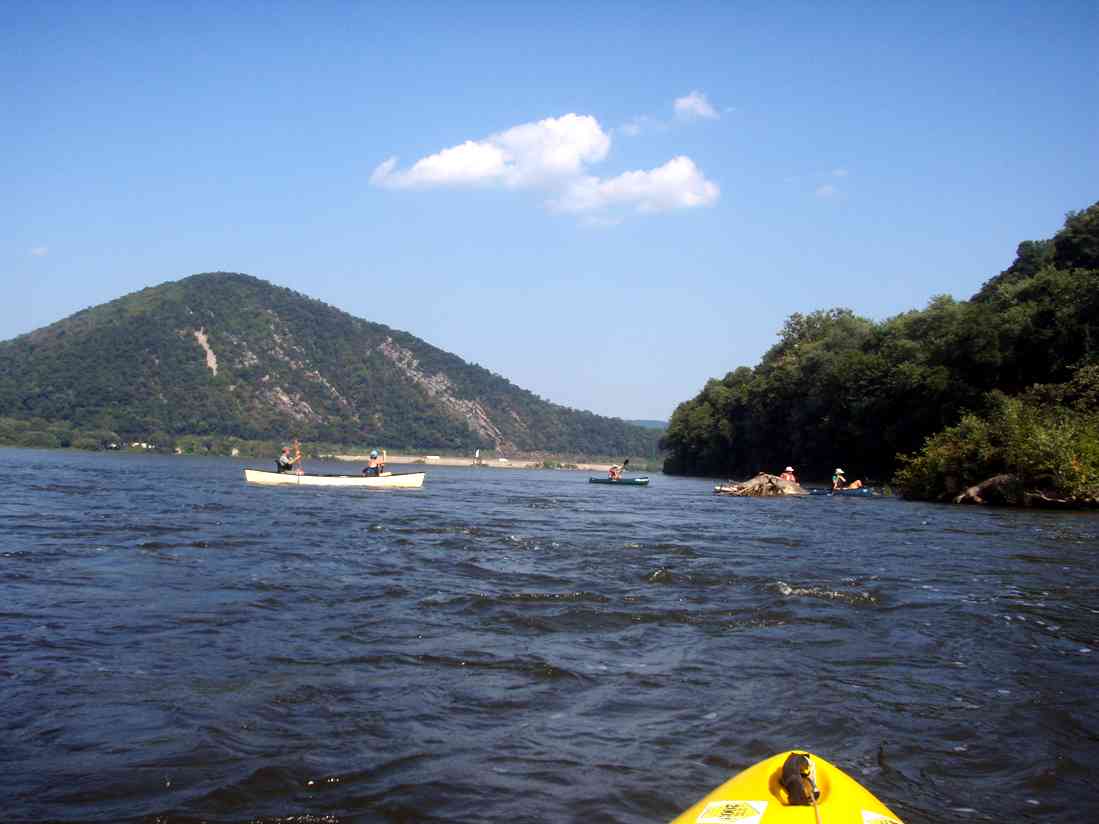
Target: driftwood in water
pixel 761 486
pixel 1008 490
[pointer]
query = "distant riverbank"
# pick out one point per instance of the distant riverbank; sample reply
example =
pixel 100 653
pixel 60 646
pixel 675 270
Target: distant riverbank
pixel 497 463
pixel 235 447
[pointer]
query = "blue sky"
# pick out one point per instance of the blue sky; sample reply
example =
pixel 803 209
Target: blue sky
pixel 607 203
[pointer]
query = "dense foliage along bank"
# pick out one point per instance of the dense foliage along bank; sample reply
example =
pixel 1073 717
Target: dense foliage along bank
pixel 1038 449
pixel 223 355
pixel 839 388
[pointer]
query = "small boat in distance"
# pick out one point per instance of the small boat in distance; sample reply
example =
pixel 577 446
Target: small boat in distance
pixel 389 480
pixel 642 481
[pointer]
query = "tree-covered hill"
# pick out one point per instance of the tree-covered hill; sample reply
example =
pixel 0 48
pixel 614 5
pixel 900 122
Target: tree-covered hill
pixel 230 355
pixel 841 390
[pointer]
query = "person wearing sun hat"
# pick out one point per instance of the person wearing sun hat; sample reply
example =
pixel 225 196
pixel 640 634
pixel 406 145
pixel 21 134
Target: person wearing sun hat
pixel 840 482
pixel 788 475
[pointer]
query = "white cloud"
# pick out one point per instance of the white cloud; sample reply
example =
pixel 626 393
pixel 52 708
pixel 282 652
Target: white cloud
pixel 689 107
pixel 678 184
pixel 553 155
pixel 526 155
pixel 468 163
pixel 695 105
pixel 40 251
pixel 642 124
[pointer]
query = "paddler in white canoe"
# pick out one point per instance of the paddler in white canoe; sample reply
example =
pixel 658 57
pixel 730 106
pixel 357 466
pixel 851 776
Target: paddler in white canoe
pixel 285 463
pixel 375 465
pixel 289 471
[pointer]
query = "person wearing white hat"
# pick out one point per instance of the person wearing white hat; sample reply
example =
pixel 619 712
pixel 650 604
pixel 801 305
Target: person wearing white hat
pixel 788 475
pixel 840 482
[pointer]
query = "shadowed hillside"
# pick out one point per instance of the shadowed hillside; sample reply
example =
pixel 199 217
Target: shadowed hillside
pixel 842 390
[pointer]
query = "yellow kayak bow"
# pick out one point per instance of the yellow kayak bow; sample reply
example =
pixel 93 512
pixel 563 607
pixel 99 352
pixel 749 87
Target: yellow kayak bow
pixel 757 796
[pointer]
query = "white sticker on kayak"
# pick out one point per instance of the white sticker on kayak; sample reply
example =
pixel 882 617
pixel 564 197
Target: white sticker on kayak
pixel 877 818
pixel 725 812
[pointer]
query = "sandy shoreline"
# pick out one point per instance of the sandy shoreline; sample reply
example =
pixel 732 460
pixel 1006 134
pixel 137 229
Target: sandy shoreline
pixel 439 460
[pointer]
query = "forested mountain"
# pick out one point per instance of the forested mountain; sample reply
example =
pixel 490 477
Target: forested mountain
pixel 841 390
pixel 231 355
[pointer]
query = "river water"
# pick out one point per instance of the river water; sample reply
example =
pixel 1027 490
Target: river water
pixel 521 646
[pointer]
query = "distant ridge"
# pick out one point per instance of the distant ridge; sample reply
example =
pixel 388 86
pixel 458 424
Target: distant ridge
pixel 228 354
pixel 650 424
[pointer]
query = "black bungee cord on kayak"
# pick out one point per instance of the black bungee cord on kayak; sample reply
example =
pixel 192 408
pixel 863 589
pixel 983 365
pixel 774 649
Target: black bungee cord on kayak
pixel 799 782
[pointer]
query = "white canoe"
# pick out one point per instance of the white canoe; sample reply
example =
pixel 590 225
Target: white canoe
pixel 398 480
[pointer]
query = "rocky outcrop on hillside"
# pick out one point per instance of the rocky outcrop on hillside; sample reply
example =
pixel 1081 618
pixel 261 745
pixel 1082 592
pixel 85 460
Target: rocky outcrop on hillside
pixel 439 387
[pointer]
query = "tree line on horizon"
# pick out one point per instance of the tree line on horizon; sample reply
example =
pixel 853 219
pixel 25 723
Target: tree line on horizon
pixel 1016 366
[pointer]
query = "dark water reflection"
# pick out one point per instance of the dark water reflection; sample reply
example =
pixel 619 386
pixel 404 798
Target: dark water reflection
pixel 508 645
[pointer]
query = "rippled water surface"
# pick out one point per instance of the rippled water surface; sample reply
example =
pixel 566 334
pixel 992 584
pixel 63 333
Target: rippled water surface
pixel 521 646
